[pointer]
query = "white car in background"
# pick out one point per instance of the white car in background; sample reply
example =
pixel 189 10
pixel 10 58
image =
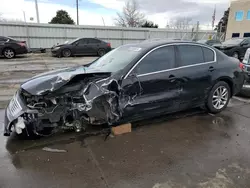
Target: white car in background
pixel 245 91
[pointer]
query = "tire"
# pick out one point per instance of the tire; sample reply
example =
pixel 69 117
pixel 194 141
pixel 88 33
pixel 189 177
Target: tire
pixel 9 53
pixel 222 92
pixel 101 52
pixel 236 55
pixel 66 53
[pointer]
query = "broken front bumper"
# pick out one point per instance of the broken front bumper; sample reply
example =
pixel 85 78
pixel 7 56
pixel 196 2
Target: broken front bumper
pixel 15 109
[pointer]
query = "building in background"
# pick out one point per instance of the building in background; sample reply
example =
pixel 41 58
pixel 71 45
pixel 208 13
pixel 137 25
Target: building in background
pixel 239 19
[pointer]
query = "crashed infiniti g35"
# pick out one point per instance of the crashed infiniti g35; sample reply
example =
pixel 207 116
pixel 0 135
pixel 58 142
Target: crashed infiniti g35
pixel 130 83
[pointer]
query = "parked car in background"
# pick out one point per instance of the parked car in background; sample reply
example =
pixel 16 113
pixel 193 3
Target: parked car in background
pixel 245 91
pixel 81 46
pixel 235 47
pixel 10 47
pixel 130 83
pixel 209 42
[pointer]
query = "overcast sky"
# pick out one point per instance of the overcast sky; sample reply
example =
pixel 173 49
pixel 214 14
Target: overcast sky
pixel 92 11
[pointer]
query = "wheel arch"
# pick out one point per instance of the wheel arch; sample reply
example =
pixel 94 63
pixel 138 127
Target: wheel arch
pixel 229 81
pixel 7 48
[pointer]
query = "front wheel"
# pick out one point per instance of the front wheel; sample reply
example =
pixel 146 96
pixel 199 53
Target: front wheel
pixel 66 53
pixel 218 97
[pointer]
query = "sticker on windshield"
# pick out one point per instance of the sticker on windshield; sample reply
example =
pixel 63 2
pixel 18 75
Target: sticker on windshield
pixel 135 49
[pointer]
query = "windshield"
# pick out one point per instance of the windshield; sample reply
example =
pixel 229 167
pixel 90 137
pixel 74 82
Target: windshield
pixel 117 59
pixel 71 41
pixel 233 41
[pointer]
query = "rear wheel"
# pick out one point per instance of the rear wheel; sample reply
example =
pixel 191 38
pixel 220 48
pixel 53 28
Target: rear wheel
pixel 218 97
pixel 8 53
pixel 101 52
pixel 66 53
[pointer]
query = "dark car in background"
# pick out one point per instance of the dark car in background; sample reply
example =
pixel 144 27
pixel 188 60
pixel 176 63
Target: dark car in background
pixel 81 46
pixel 209 42
pixel 235 47
pixel 10 47
pixel 130 83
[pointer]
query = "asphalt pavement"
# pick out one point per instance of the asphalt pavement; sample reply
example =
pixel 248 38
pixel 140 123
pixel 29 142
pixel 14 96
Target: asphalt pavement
pixel 190 149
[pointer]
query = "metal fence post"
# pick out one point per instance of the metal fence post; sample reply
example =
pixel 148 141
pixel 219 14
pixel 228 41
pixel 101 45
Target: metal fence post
pixel 28 34
pixel 122 36
pixel 197 30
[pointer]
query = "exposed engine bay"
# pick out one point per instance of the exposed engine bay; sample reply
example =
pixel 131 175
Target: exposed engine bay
pixel 71 102
pixel 74 105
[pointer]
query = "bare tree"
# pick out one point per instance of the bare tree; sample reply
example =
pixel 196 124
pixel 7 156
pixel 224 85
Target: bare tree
pixel 130 16
pixel 2 19
pixel 180 23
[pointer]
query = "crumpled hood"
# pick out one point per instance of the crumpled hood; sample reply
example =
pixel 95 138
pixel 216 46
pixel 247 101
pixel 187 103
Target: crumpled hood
pixel 53 80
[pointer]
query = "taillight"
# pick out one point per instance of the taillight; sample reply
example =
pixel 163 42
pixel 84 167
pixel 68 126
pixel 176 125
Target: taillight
pixel 108 44
pixel 242 66
pixel 21 44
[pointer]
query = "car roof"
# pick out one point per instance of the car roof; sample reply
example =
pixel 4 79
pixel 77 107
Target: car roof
pixel 155 43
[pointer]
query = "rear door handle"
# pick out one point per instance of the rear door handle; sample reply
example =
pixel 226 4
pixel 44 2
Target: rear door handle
pixel 211 69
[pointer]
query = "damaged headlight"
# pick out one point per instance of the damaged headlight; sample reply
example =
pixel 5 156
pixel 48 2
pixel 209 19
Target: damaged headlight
pixel 56 48
pixel 14 106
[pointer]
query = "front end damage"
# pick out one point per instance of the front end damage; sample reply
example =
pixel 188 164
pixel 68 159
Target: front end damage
pixel 66 102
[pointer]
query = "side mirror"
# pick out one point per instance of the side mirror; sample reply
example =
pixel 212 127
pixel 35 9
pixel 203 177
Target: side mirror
pixel 76 43
pixel 132 75
pixel 244 44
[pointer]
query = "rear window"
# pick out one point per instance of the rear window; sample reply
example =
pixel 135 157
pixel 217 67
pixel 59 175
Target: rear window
pixel 208 54
pixel 190 55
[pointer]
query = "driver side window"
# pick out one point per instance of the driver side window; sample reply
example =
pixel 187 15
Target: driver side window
pixel 158 60
pixel 83 41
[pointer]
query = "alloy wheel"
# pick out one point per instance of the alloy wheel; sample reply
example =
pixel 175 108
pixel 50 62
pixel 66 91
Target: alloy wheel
pixel 9 53
pixel 220 97
pixel 66 53
pixel 101 52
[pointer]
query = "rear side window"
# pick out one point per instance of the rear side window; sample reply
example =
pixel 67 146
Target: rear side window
pixel 158 60
pixel 94 41
pixel 83 41
pixel 190 55
pixel 208 54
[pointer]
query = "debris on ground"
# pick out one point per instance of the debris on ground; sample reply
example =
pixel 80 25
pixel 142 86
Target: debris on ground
pixel 121 129
pixel 54 150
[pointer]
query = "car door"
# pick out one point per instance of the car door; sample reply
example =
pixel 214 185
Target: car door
pixel 151 86
pixel 196 64
pixel 81 47
pixel 94 45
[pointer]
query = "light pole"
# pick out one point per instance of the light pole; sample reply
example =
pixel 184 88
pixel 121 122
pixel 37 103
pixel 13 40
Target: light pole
pixel 77 16
pixel 37 12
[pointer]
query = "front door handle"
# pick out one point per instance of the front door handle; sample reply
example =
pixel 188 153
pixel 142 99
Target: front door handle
pixel 172 78
pixel 211 69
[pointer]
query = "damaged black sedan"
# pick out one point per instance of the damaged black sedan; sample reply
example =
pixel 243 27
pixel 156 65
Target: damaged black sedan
pixel 130 83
